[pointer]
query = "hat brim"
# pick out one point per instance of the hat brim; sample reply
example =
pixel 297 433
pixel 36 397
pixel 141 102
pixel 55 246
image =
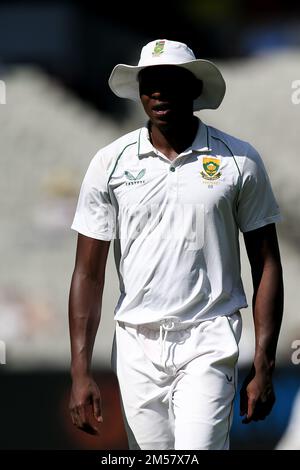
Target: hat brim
pixel 123 81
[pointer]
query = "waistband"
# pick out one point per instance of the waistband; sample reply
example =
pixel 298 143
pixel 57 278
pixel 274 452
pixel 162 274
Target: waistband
pixel 168 324
pixel 173 323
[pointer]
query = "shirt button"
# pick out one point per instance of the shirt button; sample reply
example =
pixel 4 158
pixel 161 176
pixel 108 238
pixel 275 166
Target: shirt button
pixel 172 168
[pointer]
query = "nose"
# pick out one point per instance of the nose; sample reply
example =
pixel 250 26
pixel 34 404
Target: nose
pixel 160 89
pixel 163 94
pixel 156 95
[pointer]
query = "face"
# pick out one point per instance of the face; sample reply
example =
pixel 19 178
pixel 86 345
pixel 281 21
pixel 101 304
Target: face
pixel 167 93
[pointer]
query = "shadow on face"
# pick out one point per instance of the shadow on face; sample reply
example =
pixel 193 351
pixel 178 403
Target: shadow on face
pixel 169 81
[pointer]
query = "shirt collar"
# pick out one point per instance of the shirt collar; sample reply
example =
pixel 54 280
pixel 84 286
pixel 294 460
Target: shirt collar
pixel 200 143
pixel 145 148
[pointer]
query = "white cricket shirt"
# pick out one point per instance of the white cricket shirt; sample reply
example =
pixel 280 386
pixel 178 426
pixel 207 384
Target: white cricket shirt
pixel 175 224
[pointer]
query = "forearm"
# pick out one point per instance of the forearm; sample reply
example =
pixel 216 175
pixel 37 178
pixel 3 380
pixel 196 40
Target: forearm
pixel 267 313
pixel 84 317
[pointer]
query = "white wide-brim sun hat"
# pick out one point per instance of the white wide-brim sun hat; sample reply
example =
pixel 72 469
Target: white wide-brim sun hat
pixel 123 80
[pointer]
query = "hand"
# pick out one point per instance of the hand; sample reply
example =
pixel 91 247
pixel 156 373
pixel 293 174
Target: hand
pixel 85 405
pixel 256 396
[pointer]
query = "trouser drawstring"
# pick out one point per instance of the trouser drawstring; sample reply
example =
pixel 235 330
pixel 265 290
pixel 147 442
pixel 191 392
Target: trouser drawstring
pixel 163 331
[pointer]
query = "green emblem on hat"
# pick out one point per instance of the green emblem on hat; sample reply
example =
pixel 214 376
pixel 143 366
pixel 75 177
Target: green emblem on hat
pixel 158 48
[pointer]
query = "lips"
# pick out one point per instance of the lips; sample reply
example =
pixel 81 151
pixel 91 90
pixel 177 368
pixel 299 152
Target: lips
pixel 161 109
pixel 161 106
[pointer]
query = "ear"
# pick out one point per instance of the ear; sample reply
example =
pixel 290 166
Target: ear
pixel 197 88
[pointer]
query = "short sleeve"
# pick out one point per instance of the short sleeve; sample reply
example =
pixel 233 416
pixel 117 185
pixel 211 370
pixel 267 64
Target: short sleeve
pixel 95 214
pixel 257 205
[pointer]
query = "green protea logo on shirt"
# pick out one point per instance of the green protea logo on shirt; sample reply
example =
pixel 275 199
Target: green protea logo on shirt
pixel 135 179
pixel 211 167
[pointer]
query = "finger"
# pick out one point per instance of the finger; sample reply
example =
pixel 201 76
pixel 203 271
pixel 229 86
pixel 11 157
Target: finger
pixel 82 415
pixel 268 409
pixel 250 410
pixel 260 416
pixel 89 429
pixel 73 418
pixel 251 407
pixel 77 417
pixel 97 409
pixel 264 408
pixel 86 415
pixel 243 402
pixel 270 402
pixel 261 411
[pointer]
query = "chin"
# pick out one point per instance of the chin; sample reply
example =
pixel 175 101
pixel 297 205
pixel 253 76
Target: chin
pixel 164 122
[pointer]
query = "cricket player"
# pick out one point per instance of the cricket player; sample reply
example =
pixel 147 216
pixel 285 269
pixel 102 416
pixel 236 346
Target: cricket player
pixel 173 195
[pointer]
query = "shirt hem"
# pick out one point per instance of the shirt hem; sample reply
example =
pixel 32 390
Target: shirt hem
pixel 87 233
pixel 262 223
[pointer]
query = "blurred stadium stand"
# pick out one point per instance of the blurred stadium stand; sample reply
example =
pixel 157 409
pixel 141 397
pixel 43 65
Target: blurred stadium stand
pixel 80 41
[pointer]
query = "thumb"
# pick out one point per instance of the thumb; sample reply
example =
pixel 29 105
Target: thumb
pixel 97 409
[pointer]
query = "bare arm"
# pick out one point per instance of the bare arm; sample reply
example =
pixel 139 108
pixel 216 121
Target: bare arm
pixel 84 315
pixel 257 394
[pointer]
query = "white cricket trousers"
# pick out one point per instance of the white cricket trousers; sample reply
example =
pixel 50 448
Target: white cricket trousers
pixel 178 383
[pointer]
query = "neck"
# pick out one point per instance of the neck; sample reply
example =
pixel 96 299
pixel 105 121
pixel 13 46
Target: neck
pixel 174 139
